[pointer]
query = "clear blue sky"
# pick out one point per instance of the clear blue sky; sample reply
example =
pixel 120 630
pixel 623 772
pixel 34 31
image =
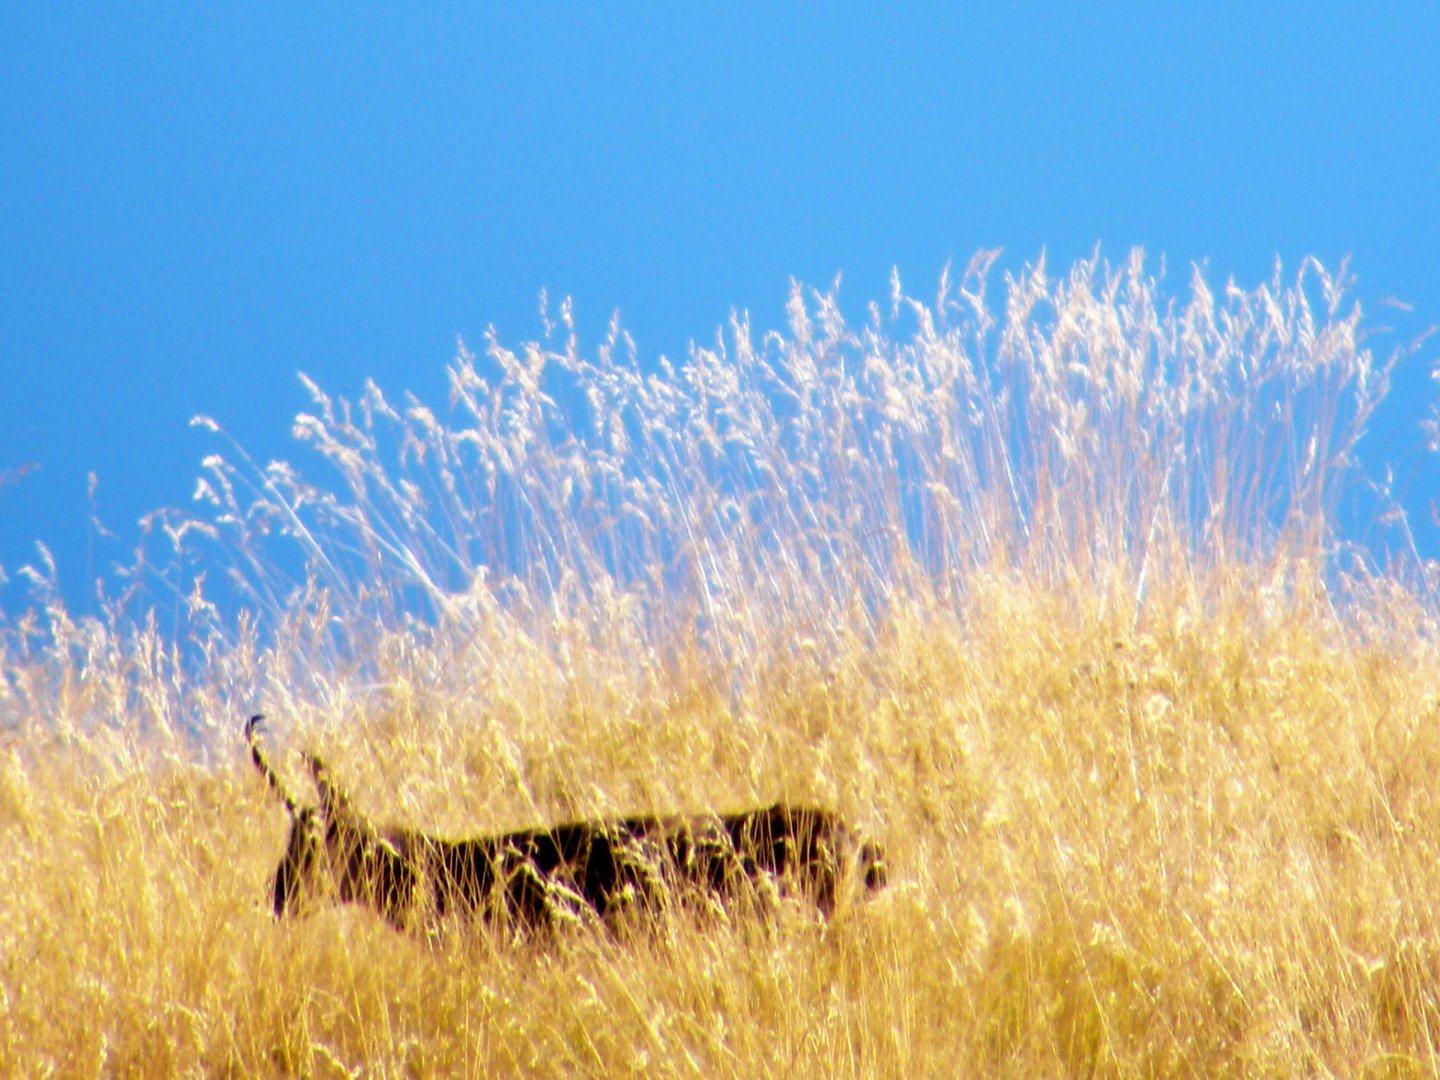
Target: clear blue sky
pixel 197 203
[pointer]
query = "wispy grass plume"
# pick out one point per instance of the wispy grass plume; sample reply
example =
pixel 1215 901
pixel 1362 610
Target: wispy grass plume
pixel 1087 429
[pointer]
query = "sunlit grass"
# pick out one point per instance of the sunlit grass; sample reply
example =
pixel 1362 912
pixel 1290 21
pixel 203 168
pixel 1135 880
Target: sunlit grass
pixel 1046 598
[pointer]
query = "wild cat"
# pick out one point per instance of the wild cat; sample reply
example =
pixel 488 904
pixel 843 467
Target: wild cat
pixel 570 873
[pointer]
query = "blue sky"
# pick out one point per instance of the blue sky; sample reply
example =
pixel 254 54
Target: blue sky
pixel 196 204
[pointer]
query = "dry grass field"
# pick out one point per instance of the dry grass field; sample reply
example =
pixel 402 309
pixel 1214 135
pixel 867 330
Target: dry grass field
pixel 1047 600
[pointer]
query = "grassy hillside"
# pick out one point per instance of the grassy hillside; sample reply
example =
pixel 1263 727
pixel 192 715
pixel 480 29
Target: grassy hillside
pixel 1048 600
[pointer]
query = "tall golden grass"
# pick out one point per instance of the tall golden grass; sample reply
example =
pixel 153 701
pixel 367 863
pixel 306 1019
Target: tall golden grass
pixel 1045 594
